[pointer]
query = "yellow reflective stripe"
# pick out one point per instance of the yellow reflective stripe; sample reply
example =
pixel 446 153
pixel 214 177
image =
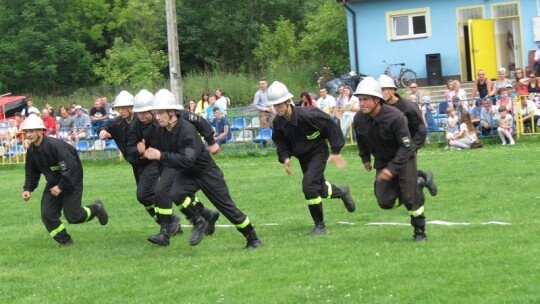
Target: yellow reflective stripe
pixel 186 203
pixel 88 213
pixel 329 186
pixel 243 224
pixel 314 135
pixel 167 211
pixel 314 201
pixel 54 168
pixel 417 212
pixel 57 230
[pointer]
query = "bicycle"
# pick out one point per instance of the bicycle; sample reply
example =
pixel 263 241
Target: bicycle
pixel 406 76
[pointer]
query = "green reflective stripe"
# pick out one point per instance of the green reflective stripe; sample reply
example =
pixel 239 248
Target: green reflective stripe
pixel 196 200
pixel 54 168
pixel 88 213
pixel 167 211
pixel 243 224
pixel 329 186
pixel 396 204
pixel 417 212
pixel 57 230
pixel 314 201
pixel 314 135
pixel 186 203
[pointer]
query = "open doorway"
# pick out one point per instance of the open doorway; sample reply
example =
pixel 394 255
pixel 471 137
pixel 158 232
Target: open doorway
pixel 464 14
pixel 508 36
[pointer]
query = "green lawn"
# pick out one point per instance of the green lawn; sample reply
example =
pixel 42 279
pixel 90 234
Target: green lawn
pixel 353 263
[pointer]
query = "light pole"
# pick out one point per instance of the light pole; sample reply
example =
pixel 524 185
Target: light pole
pixel 174 52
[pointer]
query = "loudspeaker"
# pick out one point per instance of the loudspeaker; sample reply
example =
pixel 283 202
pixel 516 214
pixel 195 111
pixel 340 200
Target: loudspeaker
pixel 434 70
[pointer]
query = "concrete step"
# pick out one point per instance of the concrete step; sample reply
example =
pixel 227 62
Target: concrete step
pixel 437 92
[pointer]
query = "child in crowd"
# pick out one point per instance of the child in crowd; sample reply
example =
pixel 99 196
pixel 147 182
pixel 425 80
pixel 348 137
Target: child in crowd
pixel 452 127
pixel 505 128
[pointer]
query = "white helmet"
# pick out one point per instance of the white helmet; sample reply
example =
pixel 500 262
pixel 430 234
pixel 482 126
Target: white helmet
pixel 369 86
pixel 33 122
pixel 143 101
pixel 386 81
pixel 278 93
pixel 165 100
pixel 124 99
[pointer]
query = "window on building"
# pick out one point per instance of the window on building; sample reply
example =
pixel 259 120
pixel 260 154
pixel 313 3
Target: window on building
pixel 408 24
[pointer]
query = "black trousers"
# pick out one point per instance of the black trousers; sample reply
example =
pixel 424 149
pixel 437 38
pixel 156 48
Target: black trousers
pixel 402 187
pixel 212 183
pixel 146 178
pixel 51 210
pixel 314 184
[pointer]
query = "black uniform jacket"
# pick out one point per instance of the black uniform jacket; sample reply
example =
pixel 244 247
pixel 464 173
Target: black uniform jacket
pixel 415 123
pixel 182 148
pixel 139 131
pixel 118 128
pixel 306 133
pixel 386 137
pixel 58 161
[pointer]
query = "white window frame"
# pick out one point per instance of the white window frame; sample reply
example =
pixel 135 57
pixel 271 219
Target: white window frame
pixel 391 28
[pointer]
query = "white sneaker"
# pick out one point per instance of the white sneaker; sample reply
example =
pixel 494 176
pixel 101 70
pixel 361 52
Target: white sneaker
pixel 512 143
pixel 503 144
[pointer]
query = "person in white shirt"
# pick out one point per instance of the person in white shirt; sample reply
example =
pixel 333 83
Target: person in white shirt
pixel 29 109
pixel 222 101
pixel 326 102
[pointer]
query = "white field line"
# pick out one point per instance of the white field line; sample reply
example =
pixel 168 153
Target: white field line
pixel 435 222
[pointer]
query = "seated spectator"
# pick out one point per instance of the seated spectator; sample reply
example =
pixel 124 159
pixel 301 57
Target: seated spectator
pixel 29 109
pixel 505 129
pixel 192 106
pixel 50 108
pixel 503 100
pixel 202 104
pixel 60 107
pixel 465 137
pixel 476 110
pixel 210 109
pixel 489 117
pixel 98 114
pixel 82 126
pixel 65 125
pixel 451 122
pixel 13 134
pixel 107 106
pixel 350 107
pixel 49 122
pixel 222 101
pixel 307 100
pixel 530 113
pixel 221 127
pixel 326 102
pixel 510 91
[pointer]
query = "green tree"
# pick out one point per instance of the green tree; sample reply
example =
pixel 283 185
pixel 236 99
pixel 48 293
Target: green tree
pixel 278 48
pixel 40 51
pixel 132 63
pixel 325 38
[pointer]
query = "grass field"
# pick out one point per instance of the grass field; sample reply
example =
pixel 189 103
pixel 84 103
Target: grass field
pixel 473 262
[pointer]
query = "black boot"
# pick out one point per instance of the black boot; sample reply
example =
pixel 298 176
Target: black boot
pixel 420 183
pixel 174 227
pixel 162 238
pixel 253 242
pixel 318 228
pixel 419 225
pixel 211 217
pixel 346 196
pixel 430 184
pixel 199 224
pixel 100 212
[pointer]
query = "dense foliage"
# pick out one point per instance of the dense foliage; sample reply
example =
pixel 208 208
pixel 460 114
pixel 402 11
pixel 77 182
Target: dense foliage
pixel 56 47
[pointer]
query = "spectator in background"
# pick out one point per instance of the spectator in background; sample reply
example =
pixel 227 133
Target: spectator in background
pixel 222 101
pixel 529 112
pixel 60 107
pixel 49 122
pixel 501 82
pixel 414 91
pixel 82 125
pixel 521 82
pixel 452 126
pixel 97 114
pixel 489 117
pixel 210 109
pixel 503 100
pixel 476 111
pixel 326 102
pixel 482 85
pixel 65 125
pixel 222 132
pixel 107 106
pixel 307 101
pixel 340 102
pixel 533 86
pixel 465 137
pixel 536 63
pixel 50 108
pixel 510 91
pixel 72 111
pixel 350 107
pixel 202 104
pixel 30 109
pixel 457 91
pixel 192 106
pixel 260 103
pixel 505 130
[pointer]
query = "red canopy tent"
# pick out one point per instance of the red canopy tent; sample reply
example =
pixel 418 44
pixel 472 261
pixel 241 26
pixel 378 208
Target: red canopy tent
pixel 9 105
